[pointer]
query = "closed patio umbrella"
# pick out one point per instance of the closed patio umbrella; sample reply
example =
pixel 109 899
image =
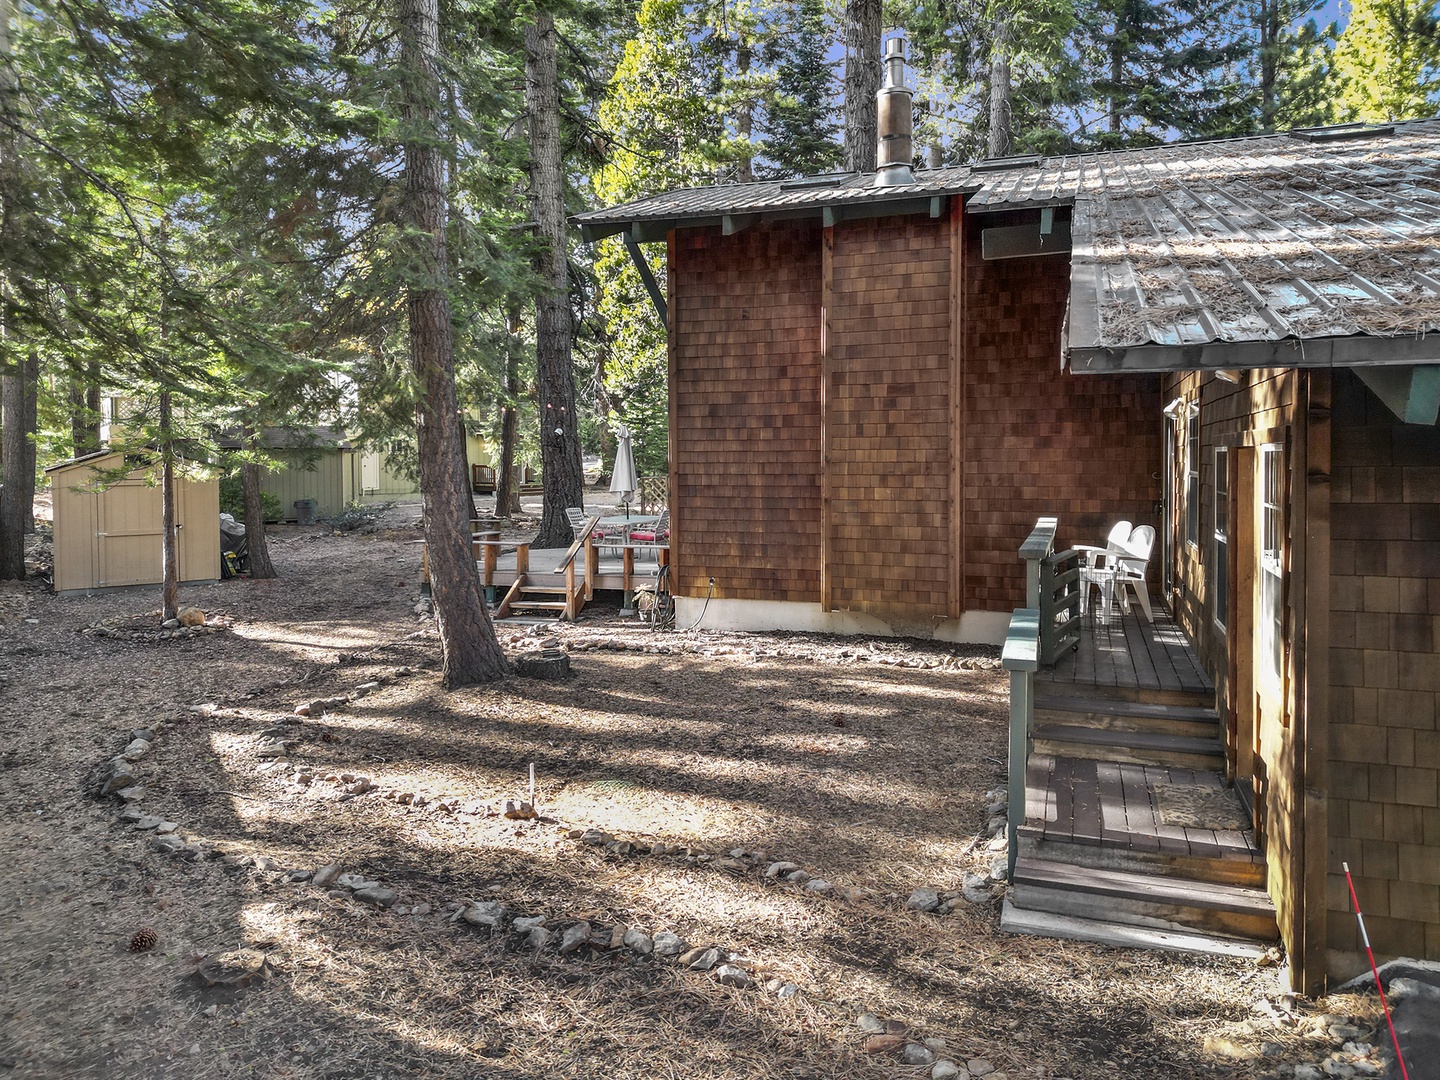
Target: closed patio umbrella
pixel 623 480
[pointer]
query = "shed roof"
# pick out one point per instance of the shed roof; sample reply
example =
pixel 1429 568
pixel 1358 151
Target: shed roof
pixel 1313 248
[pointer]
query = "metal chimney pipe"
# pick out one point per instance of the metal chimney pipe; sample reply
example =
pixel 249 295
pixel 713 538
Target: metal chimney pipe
pixel 895 147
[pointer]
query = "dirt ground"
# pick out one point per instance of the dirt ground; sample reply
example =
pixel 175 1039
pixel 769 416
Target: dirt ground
pixel 705 757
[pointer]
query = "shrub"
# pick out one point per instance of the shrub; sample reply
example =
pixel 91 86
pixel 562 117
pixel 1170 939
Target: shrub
pixel 232 500
pixel 357 514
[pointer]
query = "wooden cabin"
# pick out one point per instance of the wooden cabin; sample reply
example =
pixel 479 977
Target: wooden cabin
pixel 878 389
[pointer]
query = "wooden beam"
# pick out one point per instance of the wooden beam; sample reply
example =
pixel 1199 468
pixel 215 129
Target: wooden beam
pixel 958 330
pixel 827 300
pixel 1024 241
pixel 646 277
pixel 647 232
pixel 592 233
pixel 730 224
pixel 678 509
pixel 933 206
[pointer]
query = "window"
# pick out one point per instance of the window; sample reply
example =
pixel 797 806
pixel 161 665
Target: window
pixel 1221 577
pixel 1192 475
pixel 1272 596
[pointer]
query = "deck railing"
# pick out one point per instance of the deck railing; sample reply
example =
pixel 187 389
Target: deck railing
pixel 1022 659
pixel 1052 587
pixel 1047 626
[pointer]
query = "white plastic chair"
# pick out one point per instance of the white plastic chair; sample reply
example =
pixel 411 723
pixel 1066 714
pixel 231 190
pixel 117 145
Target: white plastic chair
pixel 1130 567
pixel 1099 567
pixel 576 517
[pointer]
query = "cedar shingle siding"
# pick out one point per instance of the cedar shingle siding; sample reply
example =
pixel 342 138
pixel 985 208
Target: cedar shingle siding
pixel 1385 677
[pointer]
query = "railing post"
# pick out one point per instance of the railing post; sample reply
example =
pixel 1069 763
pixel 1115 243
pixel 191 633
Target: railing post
pixel 1021 658
pixel 1034 550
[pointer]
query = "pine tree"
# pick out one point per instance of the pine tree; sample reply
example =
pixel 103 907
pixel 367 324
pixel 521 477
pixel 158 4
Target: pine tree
pixel 801 135
pixel 862 82
pixel 1388 60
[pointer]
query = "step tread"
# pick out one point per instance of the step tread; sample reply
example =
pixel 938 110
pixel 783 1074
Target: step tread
pixel 548 590
pixel 538 605
pixel 1135 740
pixel 1043 924
pixel 1188 892
pixel 1136 709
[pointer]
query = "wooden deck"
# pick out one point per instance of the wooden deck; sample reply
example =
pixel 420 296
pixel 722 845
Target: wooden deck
pixel 1102 803
pixel 1129 658
pixel 543 561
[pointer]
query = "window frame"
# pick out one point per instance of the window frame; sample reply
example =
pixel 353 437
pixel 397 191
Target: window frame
pixel 1192 474
pixel 1270 628
pixel 1220 540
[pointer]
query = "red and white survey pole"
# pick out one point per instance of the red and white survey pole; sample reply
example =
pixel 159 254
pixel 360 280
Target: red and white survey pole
pixel 1355 900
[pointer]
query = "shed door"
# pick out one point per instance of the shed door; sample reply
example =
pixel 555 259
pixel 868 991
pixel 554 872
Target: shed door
pixel 129 534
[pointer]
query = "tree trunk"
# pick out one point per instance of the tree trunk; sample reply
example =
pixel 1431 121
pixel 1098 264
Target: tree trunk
pixel 12 468
pixel 1117 74
pixel 169 535
pixel 563 479
pixel 30 380
pixel 745 117
pixel 1001 112
pixel 85 410
pixel 862 83
pixel 258 551
pixel 467 638
pixel 507 497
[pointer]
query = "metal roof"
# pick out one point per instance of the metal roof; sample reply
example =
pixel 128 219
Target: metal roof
pixel 1313 248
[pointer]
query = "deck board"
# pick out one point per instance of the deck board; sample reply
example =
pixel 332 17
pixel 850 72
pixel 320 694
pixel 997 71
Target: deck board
pixel 1131 654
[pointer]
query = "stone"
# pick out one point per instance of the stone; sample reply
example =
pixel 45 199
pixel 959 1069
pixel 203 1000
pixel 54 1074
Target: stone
pixel 976 889
pixel 596 837
pixel 421 908
pixel 236 967
pixel 134 793
pixel 1308 1072
pixel 361 785
pixel 818 885
pixel 538 938
pixel 326 875
pixel 936 1044
pixel 575 937
pixel 148 821
pixel 377 895
pixel 135 749
pixel 338 894
pixel 166 845
pixel 668 944
pixel 1345 1032
pixel 143 734
pixel 367 688
pixel 1338 1069
pixel 298 876
pixel 854 894
pixel 639 942
pixel 701 959
pixel 270 748
pixel 788 991
pixel 916 1054
pixel 730 975
pixel 884 1044
pixel 1223 1047
pixel 945 1070
pixel 996 825
pixel 122 777
pixel 519 811
pixel 797 877
pixel 489 913
pixel 525 923
pixel 997 806
pixel 165 828
pixel 871 1024
pixel 777 869
pixel 170 624
pixel 923 900
pixel 979 1067
pixel 1000 870
pixel 131 814
pixel 190 616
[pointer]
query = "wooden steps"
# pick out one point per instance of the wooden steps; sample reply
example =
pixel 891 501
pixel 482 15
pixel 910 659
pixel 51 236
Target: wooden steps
pixel 1135 899
pixel 1172 860
pixel 527 597
pixel 1199 721
pixel 1136 747
pixel 1046 924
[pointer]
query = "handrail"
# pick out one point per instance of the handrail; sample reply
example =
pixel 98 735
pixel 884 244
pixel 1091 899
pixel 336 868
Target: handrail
pixel 583 539
pixel 574 549
pixel 1021 657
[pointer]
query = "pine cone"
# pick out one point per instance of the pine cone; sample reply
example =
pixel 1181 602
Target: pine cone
pixel 144 940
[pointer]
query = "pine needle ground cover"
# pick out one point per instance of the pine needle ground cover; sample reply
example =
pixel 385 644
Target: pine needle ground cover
pixel 671 771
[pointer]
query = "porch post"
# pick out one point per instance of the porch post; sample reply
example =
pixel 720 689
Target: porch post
pixel 1021 658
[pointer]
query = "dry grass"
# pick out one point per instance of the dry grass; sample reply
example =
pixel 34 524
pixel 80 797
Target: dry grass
pixel 865 760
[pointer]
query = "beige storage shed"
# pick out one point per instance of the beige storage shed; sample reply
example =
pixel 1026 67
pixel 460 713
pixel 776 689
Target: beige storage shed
pixel 109 538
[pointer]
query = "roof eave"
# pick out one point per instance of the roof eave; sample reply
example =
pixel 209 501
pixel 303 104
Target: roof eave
pixel 1359 350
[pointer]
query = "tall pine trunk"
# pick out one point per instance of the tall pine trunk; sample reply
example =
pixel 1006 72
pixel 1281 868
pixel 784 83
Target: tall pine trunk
pixel 1001 112
pixel 507 496
pixel 30 380
pixel 169 531
pixel 471 653
pixel 12 468
pixel 862 83
pixel 257 550
pixel 562 476
pixel 85 409
pixel 745 116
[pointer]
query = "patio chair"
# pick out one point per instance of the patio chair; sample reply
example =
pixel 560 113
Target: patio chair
pixel 1098 568
pixel 653 538
pixel 576 517
pixel 1130 567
